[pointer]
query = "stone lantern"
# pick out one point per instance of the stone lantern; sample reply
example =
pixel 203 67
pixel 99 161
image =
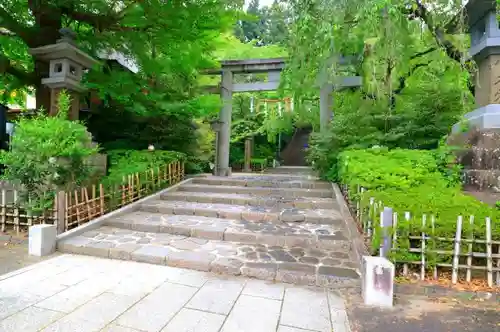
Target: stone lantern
pixel 481 135
pixel 67 64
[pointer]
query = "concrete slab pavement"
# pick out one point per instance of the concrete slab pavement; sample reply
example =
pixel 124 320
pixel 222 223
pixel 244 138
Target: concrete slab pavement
pixel 124 296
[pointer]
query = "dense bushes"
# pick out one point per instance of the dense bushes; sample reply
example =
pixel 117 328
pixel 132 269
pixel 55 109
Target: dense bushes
pixel 415 181
pixel 48 154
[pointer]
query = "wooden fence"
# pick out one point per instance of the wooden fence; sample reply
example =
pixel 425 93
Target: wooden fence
pixel 421 243
pixel 74 208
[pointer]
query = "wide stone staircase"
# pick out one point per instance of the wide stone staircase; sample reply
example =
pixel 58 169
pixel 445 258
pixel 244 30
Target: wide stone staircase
pixel 281 227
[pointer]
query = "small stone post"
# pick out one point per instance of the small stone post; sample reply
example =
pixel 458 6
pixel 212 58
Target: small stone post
pixel 377 281
pixel 42 240
pixel 248 155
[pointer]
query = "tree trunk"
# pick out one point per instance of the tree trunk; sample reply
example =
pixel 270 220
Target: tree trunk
pixel 42 92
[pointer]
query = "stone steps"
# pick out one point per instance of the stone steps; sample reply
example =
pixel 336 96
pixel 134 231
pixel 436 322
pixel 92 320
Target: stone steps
pixel 283 192
pixel 263 181
pixel 278 263
pixel 253 200
pixel 328 237
pixel 274 227
pixel 242 212
pixel 296 170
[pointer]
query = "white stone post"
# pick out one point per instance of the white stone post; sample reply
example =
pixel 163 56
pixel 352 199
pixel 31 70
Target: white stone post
pixel 378 281
pixel 42 240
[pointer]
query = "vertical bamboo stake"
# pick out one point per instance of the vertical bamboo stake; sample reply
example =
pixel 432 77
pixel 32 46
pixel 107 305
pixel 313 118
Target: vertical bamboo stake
pixel 94 202
pixel 16 212
pixel 169 174
pixel 87 203
pixel 153 180
pixel 101 198
pixel 360 220
pixel 176 175
pixel 468 275
pixel 373 208
pixel 29 216
pixel 124 191
pixel 130 188
pixel 183 171
pixel 367 224
pixel 358 205
pixel 158 174
pixel 489 253
pixel 498 266
pixel 4 210
pixel 405 265
pixel 433 225
pixel 456 251
pixel 67 205
pixel 77 204
pixel 394 231
pixel 138 185
pixel 422 247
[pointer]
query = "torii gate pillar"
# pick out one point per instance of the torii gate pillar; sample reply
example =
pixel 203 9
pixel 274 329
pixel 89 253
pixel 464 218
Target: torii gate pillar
pixel 223 142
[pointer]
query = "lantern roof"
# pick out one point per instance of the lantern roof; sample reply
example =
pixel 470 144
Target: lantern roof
pixel 64 48
pixel 472 12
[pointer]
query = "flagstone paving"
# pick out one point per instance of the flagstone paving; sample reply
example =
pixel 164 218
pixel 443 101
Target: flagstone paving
pixel 277 227
pixel 72 293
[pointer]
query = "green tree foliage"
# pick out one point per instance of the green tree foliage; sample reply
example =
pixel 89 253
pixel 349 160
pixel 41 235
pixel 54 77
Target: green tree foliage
pixel 48 154
pixel 169 40
pixel 416 77
pixel 264 25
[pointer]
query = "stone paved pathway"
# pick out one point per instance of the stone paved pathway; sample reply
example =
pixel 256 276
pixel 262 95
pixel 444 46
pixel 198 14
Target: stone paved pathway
pixel 278 227
pixel 71 293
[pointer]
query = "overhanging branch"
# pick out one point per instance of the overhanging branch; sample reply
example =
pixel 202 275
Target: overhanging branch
pixel 9 23
pixel 98 21
pixel 439 34
pixel 6 67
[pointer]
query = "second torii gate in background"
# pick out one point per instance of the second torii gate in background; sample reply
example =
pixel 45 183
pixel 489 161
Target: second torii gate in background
pixel 273 68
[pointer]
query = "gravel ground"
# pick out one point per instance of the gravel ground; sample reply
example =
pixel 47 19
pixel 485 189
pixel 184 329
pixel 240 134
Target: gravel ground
pixel 413 313
pixel 14 253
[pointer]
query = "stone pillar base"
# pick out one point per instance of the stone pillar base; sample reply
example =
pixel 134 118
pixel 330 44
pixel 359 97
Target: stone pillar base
pixel 223 171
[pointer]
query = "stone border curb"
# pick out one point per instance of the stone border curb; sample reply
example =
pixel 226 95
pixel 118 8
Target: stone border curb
pixel 429 290
pixel 359 246
pixel 100 221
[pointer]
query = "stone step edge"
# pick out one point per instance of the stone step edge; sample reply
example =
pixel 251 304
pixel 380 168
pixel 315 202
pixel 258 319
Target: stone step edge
pixel 199 197
pixel 251 216
pixel 294 273
pixel 287 192
pixel 250 183
pixel 228 234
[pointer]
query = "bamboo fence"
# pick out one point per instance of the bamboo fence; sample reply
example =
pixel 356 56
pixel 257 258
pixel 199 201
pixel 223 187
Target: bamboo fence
pixel 420 244
pixel 74 208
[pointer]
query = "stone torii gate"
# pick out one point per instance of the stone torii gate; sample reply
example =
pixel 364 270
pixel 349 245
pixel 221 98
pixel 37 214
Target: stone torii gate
pixel 273 68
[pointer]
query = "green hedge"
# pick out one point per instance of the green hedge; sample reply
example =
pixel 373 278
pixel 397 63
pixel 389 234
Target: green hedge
pixel 419 182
